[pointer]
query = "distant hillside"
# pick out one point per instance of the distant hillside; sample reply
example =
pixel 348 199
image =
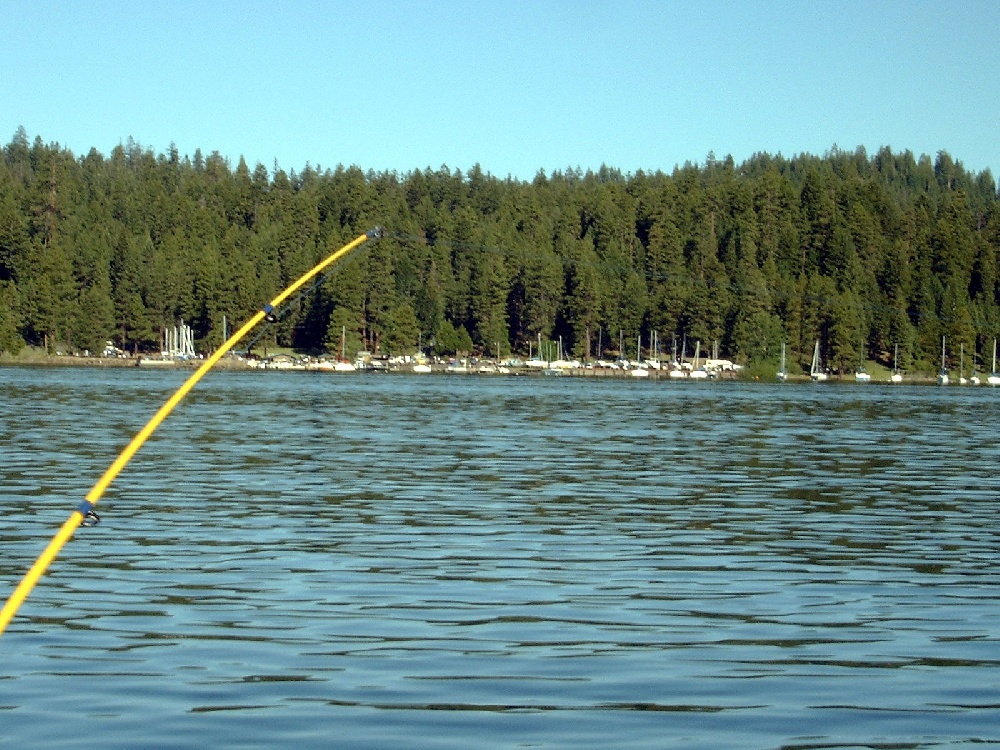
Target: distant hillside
pixel 862 252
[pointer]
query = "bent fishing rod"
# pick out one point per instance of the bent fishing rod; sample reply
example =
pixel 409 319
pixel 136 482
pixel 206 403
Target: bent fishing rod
pixel 85 515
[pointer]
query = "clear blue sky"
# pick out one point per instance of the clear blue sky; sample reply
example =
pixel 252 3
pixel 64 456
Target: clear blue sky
pixel 513 85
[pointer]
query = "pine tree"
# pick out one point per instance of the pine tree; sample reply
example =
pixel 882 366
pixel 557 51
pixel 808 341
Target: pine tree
pixel 10 324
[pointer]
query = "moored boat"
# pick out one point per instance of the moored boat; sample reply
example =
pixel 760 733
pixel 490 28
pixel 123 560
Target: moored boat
pixel 943 378
pixel 815 371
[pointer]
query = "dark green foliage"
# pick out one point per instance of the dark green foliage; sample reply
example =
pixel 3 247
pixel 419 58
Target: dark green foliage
pixel 10 338
pixel 451 340
pixel 342 335
pixel 861 253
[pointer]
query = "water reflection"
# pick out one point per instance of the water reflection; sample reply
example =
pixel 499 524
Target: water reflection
pixel 500 562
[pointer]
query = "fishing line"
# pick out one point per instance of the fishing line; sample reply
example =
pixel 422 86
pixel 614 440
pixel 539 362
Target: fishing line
pixel 274 317
pixel 85 514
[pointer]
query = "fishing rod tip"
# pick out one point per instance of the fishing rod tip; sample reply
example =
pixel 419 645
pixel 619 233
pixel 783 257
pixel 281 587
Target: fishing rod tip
pixel 376 233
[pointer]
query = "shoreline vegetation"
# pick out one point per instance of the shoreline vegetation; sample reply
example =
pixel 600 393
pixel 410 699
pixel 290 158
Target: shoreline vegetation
pixel 871 259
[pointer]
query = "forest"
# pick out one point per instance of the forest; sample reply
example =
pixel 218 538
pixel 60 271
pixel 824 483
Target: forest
pixel 865 253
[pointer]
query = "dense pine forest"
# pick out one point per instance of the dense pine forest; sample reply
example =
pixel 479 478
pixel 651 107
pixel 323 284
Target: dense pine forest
pixel 862 252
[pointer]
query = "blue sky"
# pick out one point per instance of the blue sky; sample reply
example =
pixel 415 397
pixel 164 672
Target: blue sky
pixel 514 86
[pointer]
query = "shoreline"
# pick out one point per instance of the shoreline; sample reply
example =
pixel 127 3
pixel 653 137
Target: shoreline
pixel 232 363
pixel 58 360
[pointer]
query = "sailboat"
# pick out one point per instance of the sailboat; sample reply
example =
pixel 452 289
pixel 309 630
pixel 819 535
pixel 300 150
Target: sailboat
pixel 420 362
pixel 782 373
pixel 342 365
pixel 815 372
pixel 641 369
pixel 897 376
pixel 974 377
pixel 943 375
pixel 994 377
pixel 677 366
pixel 698 372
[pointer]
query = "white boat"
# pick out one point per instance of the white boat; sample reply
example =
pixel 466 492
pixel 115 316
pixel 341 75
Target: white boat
pixel 697 373
pixel 897 376
pixel 815 372
pixel 420 363
pixel 943 378
pixel 343 365
pixel 861 375
pixel 782 372
pixel 564 364
pixel 994 376
pixel 974 377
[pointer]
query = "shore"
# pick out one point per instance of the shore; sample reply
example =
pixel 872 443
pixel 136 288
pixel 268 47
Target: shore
pixel 34 359
pixel 58 360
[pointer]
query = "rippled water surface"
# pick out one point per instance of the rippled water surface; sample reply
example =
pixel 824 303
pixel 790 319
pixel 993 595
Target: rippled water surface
pixel 317 560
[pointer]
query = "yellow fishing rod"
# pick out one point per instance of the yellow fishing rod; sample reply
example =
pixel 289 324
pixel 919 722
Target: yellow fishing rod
pixel 85 515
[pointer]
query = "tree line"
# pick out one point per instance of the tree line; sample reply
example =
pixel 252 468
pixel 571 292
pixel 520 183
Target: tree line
pixel 864 253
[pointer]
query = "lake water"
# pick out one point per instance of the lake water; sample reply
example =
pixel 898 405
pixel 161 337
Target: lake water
pixel 361 561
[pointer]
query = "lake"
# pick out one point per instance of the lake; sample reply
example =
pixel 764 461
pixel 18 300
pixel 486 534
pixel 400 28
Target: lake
pixel 457 561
